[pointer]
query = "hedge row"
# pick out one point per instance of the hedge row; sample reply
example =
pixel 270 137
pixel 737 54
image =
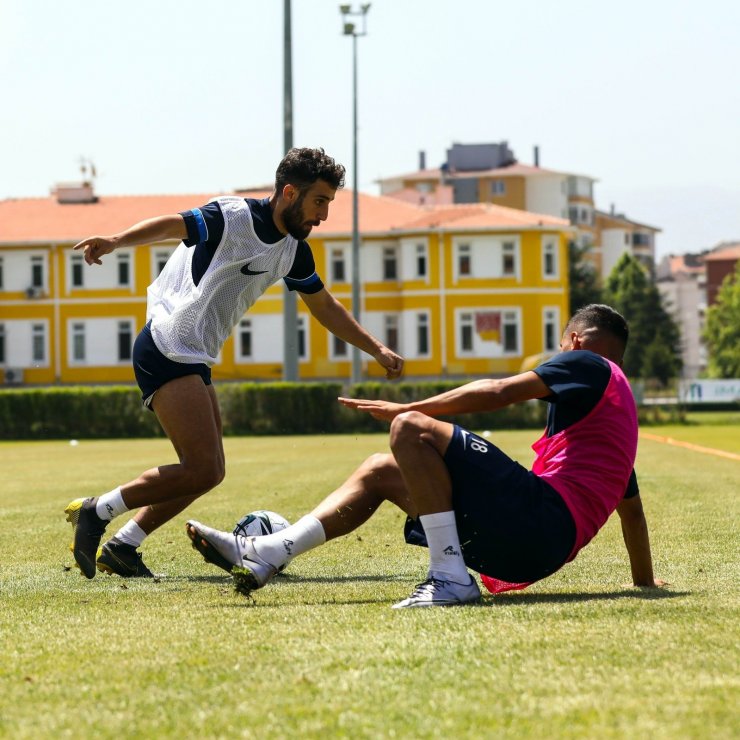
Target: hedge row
pixel 83 412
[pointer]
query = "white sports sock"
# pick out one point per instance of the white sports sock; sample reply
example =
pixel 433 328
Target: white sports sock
pixel 110 505
pixel 281 547
pixel 131 534
pixel 445 555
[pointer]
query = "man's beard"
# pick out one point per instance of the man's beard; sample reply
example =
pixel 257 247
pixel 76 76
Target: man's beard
pixel 294 220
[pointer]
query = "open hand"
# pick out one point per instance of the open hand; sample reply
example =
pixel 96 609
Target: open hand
pixel 383 410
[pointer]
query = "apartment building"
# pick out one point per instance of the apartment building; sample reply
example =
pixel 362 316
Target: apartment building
pixel 490 173
pixel 459 290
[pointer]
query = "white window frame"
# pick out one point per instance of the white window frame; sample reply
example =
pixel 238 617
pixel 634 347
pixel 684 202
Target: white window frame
pixel 498 187
pixel 550 247
pixel 75 258
pixel 510 248
pixel 423 320
pixel 334 342
pixel 511 317
pixel 421 251
pixel 124 258
pixel 390 253
pixel 77 341
pixel 244 326
pixel 125 325
pixel 40 261
pixel 338 255
pixel 302 325
pixel 39 332
pixel 463 249
pixel 157 255
pixel 392 322
pixel 465 319
pixel 551 317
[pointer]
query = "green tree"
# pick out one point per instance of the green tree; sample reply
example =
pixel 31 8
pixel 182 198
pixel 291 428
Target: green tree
pixel 653 350
pixel 584 281
pixel 722 330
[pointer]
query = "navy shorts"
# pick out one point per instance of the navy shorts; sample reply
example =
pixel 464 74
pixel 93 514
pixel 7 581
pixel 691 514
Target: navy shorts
pixel 512 525
pixel 153 369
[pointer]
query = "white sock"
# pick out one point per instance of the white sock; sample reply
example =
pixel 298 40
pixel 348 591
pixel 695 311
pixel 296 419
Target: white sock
pixel 110 505
pixel 131 534
pixel 445 555
pixel 281 547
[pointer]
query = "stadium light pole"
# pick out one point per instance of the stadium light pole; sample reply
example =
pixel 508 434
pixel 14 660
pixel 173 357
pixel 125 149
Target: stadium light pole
pixel 351 29
pixel 290 303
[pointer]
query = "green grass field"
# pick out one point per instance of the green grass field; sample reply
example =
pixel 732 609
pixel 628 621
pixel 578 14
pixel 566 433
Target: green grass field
pixel 320 653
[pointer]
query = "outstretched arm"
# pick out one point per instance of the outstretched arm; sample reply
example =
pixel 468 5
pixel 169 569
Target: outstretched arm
pixel 637 541
pixel 334 316
pixel 152 230
pixel 480 395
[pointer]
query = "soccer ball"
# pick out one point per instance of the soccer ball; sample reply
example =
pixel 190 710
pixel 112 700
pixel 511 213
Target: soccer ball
pixel 260 522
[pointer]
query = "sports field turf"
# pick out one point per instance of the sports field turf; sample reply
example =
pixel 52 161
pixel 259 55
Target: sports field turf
pixel 320 653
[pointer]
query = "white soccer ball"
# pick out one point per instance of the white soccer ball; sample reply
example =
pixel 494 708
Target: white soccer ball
pixel 257 523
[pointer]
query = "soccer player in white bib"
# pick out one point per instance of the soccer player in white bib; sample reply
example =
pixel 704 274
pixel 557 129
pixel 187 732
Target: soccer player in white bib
pixel 232 250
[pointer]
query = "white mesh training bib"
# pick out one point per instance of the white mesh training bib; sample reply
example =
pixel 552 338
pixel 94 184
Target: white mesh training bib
pixel 190 323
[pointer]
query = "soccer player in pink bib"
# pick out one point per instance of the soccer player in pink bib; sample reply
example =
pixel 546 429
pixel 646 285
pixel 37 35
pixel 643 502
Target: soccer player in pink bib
pixel 466 500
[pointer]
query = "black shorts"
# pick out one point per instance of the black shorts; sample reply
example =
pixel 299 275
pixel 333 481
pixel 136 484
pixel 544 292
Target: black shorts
pixel 153 369
pixel 512 525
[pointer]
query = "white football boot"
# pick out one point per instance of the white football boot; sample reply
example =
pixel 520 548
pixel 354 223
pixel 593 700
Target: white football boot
pixel 437 591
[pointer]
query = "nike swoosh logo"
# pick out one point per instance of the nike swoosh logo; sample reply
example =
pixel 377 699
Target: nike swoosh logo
pixel 246 271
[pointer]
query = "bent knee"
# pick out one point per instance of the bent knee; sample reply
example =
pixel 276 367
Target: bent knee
pixel 205 475
pixel 408 424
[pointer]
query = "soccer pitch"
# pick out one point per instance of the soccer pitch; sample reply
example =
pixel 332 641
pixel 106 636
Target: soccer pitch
pixel 319 652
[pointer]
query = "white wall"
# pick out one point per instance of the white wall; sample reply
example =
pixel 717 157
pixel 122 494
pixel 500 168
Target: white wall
pixel 101 341
pixel 17 268
pixel 547 194
pixel 613 246
pixel 103 276
pixel 19 343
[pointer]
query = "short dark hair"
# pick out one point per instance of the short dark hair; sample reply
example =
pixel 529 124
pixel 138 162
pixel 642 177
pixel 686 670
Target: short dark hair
pixel 302 167
pixel 602 317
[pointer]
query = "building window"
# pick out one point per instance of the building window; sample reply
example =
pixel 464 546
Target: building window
pixel 38 343
pixel 508 259
pixel 464 261
pixel 551 328
pixel 510 332
pixel 422 334
pixel 125 340
pixel 391 332
pixel 638 240
pixel 573 214
pixel 245 339
pixel 78 279
pixel 2 344
pixel 390 264
pixel 585 216
pixel 1 274
pixel 339 347
pixel 124 270
pixel 498 187
pixel 550 259
pixel 160 260
pixel 37 272
pixel 466 332
pixel 302 344
pixel 338 271
pixel 78 342
pixel 421 260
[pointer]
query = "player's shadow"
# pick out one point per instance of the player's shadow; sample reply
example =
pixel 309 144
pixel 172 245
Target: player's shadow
pixel 515 599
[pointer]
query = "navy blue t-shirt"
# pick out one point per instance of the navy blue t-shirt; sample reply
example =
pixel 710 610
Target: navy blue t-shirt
pixel 205 226
pixel 577 380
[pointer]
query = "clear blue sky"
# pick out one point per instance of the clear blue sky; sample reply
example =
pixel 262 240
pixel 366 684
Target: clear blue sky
pixel 178 96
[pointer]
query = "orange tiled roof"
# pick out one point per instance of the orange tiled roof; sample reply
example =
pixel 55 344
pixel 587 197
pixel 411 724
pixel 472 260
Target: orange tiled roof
pixel 724 252
pixel 44 220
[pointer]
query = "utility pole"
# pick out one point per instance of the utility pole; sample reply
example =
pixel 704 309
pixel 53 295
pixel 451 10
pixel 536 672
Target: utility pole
pixel 290 304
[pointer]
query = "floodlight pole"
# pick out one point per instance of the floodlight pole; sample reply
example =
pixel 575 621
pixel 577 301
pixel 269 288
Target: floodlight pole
pixel 290 303
pixel 350 29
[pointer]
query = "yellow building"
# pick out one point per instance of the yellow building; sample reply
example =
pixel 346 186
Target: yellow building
pixel 459 290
